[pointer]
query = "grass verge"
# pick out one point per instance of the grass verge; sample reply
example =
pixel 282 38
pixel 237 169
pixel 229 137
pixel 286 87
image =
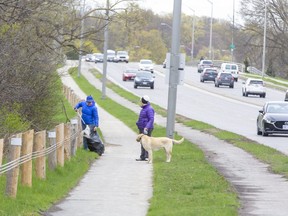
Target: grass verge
pixel 31 201
pixel 190 183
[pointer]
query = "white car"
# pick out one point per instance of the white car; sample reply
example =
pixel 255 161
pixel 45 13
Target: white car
pixel 146 65
pixel 253 87
pixel 122 56
pixel 232 68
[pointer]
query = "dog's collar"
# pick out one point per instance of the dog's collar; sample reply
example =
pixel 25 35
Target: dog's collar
pixel 141 137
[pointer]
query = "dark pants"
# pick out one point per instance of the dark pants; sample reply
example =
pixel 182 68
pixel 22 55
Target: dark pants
pixel 144 153
pixel 85 145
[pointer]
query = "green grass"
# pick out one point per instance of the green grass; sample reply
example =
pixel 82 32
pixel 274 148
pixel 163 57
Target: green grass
pixel 223 201
pixel 30 201
pixel 58 183
pixel 187 186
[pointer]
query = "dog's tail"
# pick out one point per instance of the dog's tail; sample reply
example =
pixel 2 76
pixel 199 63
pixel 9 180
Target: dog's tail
pixel 178 141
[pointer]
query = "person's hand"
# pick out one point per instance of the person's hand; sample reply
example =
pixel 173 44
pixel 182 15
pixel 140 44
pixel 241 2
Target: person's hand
pixel 145 131
pixel 75 110
pixel 95 128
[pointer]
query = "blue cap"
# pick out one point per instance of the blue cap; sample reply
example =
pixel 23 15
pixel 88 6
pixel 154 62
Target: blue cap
pixel 89 99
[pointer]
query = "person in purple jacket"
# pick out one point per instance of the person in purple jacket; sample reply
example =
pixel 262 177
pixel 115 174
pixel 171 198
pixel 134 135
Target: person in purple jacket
pixel 89 116
pixel 145 123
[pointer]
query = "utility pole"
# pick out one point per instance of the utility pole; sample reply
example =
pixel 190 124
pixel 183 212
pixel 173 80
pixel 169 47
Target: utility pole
pixel 232 43
pixel 211 22
pixel 174 74
pixel 264 39
pixel 81 38
pixel 106 40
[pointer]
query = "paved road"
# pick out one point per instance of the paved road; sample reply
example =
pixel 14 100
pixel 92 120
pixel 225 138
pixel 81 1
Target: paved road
pixel 260 192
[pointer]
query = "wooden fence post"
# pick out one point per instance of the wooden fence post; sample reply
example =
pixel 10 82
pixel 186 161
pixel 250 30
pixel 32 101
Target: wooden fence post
pixel 1 150
pixel 52 157
pixel 27 148
pixel 67 141
pixel 74 131
pixel 40 147
pixel 60 144
pixel 13 174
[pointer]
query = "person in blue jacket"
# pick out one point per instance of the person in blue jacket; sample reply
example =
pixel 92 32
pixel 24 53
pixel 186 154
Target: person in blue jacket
pixel 145 123
pixel 89 116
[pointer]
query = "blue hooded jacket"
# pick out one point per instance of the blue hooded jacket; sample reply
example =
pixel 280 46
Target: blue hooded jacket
pixel 89 113
pixel 146 117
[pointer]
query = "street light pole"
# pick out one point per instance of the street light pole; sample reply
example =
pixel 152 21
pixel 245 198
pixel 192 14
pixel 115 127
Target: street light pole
pixel 81 38
pixel 264 39
pixel 210 41
pixel 174 75
pixel 232 48
pixel 193 39
pixel 106 39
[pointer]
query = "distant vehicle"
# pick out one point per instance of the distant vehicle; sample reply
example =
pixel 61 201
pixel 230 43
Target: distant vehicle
pixel 204 64
pixel 273 118
pixel 208 74
pixel 129 74
pixel 111 54
pixel 144 79
pixel 253 87
pixel 98 57
pixel 224 78
pixel 122 56
pixel 286 96
pixel 164 64
pixel 232 68
pixel 146 65
pixel 90 58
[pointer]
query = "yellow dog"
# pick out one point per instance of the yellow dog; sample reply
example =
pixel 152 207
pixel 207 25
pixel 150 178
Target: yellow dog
pixel 155 143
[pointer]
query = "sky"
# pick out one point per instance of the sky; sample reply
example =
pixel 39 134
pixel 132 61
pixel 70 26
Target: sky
pixel 221 8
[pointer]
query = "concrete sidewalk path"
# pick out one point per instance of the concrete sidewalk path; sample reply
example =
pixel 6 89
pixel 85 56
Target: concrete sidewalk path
pixel 116 184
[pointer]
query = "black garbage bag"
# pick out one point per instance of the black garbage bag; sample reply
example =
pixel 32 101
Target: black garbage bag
pixel 95 143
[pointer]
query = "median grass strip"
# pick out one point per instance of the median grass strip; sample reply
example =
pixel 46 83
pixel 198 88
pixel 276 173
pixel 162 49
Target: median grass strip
pixel 187 186
pixel 275 159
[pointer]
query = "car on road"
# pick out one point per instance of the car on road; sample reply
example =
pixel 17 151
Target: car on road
pixel 204 64
pixel 208 74
pixel 111 54
pixel 129 74
pixel 273 118
pixel 144 79
pixel 253 86
pixel 164 63
pixel 232 68
pixel 121 56
pixel 98 57
pixel 146 65
pixel 225 79
pixel 90 58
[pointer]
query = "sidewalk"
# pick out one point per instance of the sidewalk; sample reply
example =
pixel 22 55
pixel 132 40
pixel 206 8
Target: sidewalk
pixel 118 185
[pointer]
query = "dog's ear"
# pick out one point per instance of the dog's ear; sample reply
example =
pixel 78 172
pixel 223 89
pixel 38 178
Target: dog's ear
pixel 139 137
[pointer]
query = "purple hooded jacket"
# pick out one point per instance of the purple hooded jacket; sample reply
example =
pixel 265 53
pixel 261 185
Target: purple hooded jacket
pixel 146 117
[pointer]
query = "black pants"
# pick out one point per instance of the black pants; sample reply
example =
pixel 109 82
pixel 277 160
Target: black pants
pixel 144 153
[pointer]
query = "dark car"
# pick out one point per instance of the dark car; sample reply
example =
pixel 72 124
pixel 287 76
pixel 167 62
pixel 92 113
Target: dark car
pixel 129 74
pixel 225 79
pixel 273 118
pixel 144 79
pixel 204 64
pixel 208 74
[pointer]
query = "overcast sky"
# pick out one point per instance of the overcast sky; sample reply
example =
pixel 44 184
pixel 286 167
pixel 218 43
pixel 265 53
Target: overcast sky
pixel 221 8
